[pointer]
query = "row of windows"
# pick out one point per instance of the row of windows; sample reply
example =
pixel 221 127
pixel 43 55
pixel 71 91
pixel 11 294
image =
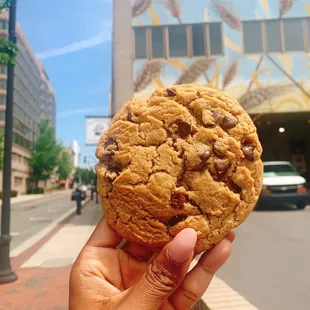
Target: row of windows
pixel 2 115
pixel 32 95
pixel 22 115
pixel 18 139
pixel 20 159
pixel 3 69
pixel 3 84
pixel 18 125
pixel 178 41
pixel 277 35
pixel 4 25
pixel 31 105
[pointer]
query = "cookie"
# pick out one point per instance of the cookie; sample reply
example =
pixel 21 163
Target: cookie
pixel 187 157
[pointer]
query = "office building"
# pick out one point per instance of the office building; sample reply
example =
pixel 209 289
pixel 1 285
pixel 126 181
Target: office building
pixel 257 51
pixel 34 100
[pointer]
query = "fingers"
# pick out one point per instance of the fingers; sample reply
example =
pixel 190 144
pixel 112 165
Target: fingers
pixel 104 236
pixel 164 274
pixel 199 278
pixel 137 251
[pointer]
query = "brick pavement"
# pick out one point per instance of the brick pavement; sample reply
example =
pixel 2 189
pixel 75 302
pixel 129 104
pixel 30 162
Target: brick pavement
pixel 43 271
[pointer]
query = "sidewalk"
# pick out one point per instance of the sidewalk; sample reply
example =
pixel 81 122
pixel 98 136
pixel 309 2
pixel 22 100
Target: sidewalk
pixel 43 271
pixel 43 278
pixel 29 198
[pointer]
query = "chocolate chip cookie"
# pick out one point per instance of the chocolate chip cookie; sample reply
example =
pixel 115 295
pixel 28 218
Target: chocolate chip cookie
pixel 187 157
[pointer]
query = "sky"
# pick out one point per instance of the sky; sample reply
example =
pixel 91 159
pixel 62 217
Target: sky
pixel 72 38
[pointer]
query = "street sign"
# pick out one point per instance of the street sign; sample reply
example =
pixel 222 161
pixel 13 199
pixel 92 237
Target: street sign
pixel 95 126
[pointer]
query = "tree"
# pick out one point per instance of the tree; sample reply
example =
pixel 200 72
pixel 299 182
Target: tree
pixel 85 176
pixel 8 49
pixel 64 166
pixel 46 153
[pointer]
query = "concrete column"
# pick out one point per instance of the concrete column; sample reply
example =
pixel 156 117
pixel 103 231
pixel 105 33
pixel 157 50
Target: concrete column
pixel 122 67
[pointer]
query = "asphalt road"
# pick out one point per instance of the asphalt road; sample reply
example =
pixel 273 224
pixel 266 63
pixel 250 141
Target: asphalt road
pixel 29 218
pixel 270 265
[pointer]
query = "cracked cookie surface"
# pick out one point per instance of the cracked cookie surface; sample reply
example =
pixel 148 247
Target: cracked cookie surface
pixel 187 157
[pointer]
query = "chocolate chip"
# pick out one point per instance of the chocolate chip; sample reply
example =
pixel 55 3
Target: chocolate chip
pixel 184 129
pixel 204 160
pixel 111 141
pixel 171 92
pixel 129 116
pixel 221 168
pixel 215 117
pixel 218 153
pixel 176 219
pixel 205 156
pixel 235 188
pixel 178 199
pixel 113 172
pixel 229 123
pixel 111 146
pixel 248 151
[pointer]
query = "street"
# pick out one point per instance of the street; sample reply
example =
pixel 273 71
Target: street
pixel 27 219
pixel 270 261
pixel 269 266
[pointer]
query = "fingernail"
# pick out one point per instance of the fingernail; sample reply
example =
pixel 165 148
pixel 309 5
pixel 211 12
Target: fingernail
pixel 181 248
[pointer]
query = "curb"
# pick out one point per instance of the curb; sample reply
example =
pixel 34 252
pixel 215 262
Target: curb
pixel 26 249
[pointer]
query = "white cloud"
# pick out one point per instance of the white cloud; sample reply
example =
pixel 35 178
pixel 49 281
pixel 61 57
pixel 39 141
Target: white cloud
pixel 103 36
pixel 80 111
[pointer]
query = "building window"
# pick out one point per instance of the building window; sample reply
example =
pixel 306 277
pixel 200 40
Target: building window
pixel 216 47
pixel 177 41
pixel 252 37
pixel 2 115
pixel 140 43
pixel 199 46
pixel 293 38
pixel 2 84
pixel 273 36
pixel 2 100
pixel 3 69
pixel 186 40
pixel 158 42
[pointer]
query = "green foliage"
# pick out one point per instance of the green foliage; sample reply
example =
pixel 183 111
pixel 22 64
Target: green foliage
pixel 5 4
pixel 13 194
pixel 8 52
pixel 37 190
pixel 85 176
pixel 64 166
pixel 8 49
pixel 46 153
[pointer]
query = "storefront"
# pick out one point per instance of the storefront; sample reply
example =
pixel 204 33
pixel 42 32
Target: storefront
pixel 255 50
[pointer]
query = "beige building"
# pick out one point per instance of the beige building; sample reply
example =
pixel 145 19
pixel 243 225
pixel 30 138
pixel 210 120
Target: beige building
pixel 34 100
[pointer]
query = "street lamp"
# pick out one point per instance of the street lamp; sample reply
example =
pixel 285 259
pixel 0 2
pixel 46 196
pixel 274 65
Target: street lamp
pixel 6 273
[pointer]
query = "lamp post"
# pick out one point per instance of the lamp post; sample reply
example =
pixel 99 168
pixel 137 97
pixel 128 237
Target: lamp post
pixel 6 273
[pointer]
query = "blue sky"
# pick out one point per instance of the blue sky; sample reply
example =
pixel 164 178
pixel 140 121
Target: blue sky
pixel 73 40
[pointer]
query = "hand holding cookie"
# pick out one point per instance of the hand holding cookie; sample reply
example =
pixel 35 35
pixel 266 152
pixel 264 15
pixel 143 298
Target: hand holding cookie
pixel 107 277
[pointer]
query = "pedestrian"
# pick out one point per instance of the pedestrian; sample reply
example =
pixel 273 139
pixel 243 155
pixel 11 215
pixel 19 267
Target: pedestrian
pixel 107 275
pixel 78 195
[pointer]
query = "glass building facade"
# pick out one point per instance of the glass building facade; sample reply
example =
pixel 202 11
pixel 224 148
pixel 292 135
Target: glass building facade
pixel 34 100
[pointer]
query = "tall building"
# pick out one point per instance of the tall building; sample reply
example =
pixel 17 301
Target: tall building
pixel 34 100
pixel 257 51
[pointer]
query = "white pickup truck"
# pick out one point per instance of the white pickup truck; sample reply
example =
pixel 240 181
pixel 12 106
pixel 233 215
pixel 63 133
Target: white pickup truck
pixel 283 186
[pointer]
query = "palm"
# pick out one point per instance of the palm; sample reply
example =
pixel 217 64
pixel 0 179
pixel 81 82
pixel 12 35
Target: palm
pixel 117 268
pixel 106 277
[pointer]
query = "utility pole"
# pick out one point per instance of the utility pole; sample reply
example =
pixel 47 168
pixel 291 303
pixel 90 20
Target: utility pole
pixel 6 273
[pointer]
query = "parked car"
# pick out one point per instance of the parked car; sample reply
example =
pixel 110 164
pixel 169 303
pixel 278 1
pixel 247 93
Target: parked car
pixel 283 186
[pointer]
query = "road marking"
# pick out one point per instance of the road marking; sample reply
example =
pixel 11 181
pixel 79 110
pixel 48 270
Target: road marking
pixel 15 233
pixel 220 296
pixel 38 218
pixel 32 240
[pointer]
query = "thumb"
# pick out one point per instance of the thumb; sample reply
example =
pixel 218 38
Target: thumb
pixel 164 274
